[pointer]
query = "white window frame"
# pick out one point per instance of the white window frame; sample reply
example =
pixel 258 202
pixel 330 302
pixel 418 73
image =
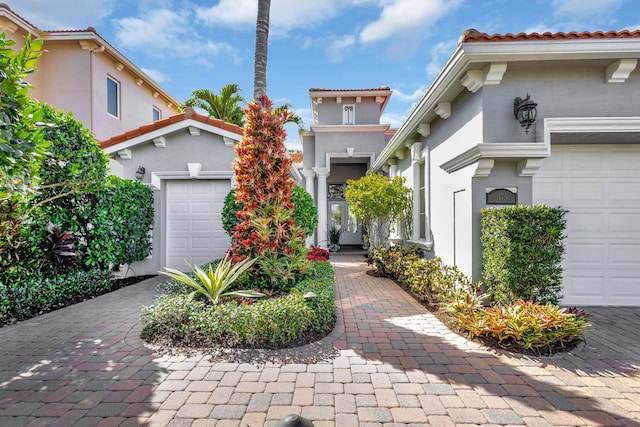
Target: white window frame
pixel 349 114
pixel 117 94
pixel 159 111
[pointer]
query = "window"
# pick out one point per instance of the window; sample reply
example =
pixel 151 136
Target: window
pixel 113 97
pixel 423 203
pixel 157 114
pixel 349 114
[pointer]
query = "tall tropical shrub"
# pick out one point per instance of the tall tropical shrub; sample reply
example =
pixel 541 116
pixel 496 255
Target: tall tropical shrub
pixel 305 212
pixel 523 247
pixel 377 201
pixel 267 230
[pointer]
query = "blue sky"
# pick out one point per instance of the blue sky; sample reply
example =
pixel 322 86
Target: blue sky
pixel 330 44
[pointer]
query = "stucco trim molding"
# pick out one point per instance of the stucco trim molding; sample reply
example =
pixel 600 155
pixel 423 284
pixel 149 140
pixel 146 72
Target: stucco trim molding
pixel 158 176
pixel 345 154
pixel 521 150
pixel 553 125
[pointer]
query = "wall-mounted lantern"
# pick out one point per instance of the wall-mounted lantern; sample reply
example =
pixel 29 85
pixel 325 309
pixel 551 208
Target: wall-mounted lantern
pixel 140 173
pixel 525 112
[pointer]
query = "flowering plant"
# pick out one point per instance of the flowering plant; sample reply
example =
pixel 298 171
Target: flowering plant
pixel 318 254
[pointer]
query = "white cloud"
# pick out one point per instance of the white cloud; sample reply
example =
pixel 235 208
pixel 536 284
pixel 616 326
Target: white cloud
pixel 66 15
pixel 393 119
pixel 163 32
pixel 406 18
pixel 439 55
pixel 157 76
pixel 285 15
pixel 337 50
pixel 409 97
pixel 577 10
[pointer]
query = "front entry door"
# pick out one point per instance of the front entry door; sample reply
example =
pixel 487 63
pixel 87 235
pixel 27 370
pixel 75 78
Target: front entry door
pixel 342 219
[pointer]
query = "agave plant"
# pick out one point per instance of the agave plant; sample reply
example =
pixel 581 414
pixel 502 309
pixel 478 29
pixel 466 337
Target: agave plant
pixel 214 283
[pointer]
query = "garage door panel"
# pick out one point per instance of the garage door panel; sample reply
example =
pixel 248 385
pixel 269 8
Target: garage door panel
pixel 600 187
pixel 580 160
pixel 624 288
pixel 623 193
pixel 194 222
pixel 178 208
pixel 624 160
pixel 625 223
pixel 624 255
pixel 582 193
pixel 584 254
pixel 583 287
pixel 550 191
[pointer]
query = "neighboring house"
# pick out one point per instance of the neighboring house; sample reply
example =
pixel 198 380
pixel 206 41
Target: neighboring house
pixel 462 149
pixel 187 160
pixel 343 142
pixel 82 73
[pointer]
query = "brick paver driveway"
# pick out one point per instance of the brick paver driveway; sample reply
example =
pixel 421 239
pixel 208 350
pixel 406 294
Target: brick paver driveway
pixel 388 362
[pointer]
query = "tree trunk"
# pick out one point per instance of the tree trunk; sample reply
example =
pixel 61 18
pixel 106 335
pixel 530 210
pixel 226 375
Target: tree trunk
pixel 260 60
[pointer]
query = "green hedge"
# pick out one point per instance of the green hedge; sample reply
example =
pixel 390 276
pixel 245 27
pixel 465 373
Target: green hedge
pixel 38 294
pixel 523 247
pixel 273 322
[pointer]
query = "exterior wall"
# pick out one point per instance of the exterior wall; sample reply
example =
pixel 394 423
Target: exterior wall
pixel 181 148
pixel 367 111
pixel 63 79
pixel 73 79
pixel 337 142
pixel 136 101
pixel 575 90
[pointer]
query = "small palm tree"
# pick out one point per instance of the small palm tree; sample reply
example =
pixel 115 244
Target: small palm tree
pixel 225 106
pixel 214 283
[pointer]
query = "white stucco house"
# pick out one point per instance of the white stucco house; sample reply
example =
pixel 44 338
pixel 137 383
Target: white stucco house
pixel 462 149
pixel 186 159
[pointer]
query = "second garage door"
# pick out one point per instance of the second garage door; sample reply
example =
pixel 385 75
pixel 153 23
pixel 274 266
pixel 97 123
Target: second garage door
pixel 194 222
pixel 600 187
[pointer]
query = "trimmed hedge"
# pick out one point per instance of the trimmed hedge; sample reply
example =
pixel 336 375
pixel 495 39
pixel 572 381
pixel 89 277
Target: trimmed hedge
pixel 523 247
pixel 265 323
pixel 38 294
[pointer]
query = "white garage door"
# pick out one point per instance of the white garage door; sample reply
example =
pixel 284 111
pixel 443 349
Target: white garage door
pixel 600 186
pixel 194 222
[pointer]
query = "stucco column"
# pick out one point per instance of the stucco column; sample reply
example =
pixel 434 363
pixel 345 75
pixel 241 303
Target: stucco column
pixel 310 187
pixel 322 174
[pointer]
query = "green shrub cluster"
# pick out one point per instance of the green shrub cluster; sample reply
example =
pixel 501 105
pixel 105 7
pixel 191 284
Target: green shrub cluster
pixel 428 279
pixel 39 294
pixel 529 325
pixel 523 247
pixel 525 324
pixel 272 322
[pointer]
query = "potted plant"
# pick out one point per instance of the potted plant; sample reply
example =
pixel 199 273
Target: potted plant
pixel 334 238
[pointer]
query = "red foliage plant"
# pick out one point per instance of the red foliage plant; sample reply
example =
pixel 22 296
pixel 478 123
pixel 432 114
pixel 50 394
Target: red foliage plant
pixel 263 186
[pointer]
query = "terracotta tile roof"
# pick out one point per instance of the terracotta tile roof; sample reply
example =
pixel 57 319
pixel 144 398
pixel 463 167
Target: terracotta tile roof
pixel 296 157
pixel 472 35
pixel 189 113
pixel 383 88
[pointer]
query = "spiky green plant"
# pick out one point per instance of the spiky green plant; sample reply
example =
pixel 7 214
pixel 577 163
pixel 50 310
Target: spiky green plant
pixel 214 283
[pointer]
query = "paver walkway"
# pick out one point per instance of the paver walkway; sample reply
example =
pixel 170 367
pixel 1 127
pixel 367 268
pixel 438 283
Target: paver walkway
pixel 388 362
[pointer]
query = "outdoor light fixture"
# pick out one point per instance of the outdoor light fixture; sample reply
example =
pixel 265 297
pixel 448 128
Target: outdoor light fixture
pixel 140 173
pixel 525 111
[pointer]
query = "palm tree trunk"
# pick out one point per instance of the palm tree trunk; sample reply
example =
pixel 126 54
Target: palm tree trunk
pixel 260 60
